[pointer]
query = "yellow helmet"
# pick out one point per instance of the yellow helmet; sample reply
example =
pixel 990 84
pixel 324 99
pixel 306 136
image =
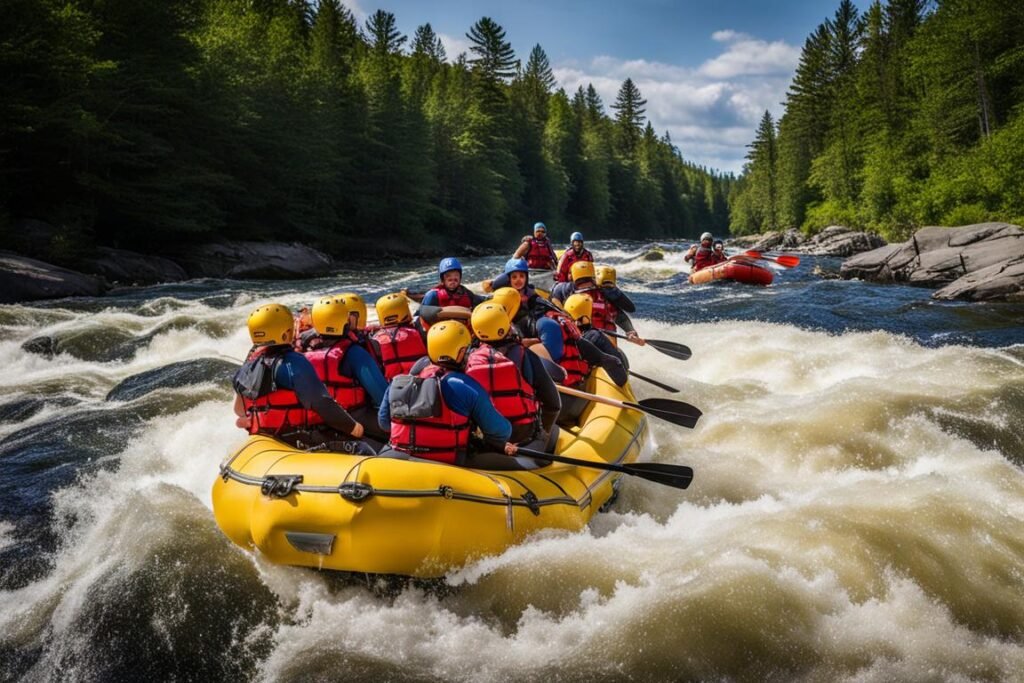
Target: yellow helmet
pixel 393 309
pixel 582 269
pixel 509 298
pixel 604 276
pixel 447 342
pixel 330 315
pixel 490 322
pixel 357 306
pixel 271 324
pixel 580 307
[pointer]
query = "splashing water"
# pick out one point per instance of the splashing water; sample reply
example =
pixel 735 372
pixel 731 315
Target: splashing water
pixel 857 512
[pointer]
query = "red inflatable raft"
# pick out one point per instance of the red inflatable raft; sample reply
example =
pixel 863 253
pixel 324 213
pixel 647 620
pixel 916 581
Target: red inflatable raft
pixel 738 270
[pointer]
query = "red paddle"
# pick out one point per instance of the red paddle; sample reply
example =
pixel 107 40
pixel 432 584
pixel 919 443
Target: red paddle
pixel 785 260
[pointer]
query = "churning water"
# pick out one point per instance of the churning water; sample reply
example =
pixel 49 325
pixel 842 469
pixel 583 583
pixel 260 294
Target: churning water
pixel 857 512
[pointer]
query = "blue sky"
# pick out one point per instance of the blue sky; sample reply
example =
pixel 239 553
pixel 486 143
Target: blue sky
pixel 708 69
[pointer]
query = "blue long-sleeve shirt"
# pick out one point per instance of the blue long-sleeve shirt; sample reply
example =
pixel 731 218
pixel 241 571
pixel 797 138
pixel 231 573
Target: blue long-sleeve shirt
pixel 465 396
pixel 360 366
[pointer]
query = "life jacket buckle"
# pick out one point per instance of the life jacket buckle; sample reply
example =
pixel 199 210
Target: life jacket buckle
pixel 280 485
pixel 354 491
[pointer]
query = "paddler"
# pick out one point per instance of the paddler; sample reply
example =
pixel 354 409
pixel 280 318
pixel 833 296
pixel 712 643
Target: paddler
pixel 431 412
pixel 450 291
pixel 519 385
pixel 349 371
pixel 701 255
pixel 537 250
pixel 573 254
pixel 279 394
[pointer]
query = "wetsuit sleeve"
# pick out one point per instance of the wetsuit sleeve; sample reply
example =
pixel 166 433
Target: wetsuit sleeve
pixel 296 373
pixel 544 388
pixel 360 366
pixel 500 281
pixel 550 334
pixel 623 321
pixel 597 358
pixel 384 412
pixel 465 396
pixel 430 298
pixel 477 299
pixel 619 298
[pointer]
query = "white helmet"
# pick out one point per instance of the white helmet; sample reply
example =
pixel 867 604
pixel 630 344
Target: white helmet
pixel 707 236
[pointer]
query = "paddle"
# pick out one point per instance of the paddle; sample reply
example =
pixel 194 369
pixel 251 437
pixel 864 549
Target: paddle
pixel 654 382
pixel 669 348
pixel 677 476
pixel 784 260
pixel 670 410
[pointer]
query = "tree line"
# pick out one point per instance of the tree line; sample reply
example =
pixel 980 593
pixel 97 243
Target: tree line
pixel 909 114
pixel 144 123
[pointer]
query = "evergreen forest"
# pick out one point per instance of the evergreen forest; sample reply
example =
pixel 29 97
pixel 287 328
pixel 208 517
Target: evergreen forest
pixel 146 123
pixel 908 114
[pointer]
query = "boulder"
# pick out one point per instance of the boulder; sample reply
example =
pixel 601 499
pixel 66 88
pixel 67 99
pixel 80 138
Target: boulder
pixel 838 240
pixel 180 374
pixel 653 255
pixel 131 268
pixel 26 279
pixel 254 260
pixel 976 262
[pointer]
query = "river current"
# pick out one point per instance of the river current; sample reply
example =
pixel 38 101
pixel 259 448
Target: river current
pixel 857 512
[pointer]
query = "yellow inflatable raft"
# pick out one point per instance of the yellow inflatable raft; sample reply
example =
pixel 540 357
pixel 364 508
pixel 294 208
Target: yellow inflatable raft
pixel 416 518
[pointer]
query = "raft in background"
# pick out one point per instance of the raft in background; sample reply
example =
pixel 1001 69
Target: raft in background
pixel 740 270
pixel 415 517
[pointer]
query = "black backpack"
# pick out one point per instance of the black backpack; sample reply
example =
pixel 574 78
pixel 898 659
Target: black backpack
pixel 256 377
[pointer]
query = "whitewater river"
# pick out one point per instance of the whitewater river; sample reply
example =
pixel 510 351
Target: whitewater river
pixel 857 512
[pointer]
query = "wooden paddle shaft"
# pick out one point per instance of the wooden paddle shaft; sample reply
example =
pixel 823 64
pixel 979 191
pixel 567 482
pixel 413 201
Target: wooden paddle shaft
pixel 593 397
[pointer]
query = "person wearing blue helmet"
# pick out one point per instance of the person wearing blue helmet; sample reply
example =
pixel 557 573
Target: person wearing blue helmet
pixel 538 250
pixel 450 291
pixel 574 253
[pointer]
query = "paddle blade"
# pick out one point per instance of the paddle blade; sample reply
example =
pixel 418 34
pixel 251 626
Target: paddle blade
pixel 669 348
pixel 678 476
pixel 670 410
pixel 785 260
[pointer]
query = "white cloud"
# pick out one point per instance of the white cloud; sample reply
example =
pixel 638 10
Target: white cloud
pixel 710 111
pixel 453 45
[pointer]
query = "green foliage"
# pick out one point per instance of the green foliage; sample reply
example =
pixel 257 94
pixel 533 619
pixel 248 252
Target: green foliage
pixel 900 118
pixel 145 124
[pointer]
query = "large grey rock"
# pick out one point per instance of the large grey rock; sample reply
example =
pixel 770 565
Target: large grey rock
pixel 838 240
pixel 778 239
pixel 976 262
pixel 180 374
pixel 26 279
pixel 256 260
pixel 129 267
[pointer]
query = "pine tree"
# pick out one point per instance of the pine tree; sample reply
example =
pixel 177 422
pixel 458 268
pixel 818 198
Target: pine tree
pixel 629 117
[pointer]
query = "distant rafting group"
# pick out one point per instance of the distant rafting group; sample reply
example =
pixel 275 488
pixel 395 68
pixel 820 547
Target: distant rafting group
pixel 469 380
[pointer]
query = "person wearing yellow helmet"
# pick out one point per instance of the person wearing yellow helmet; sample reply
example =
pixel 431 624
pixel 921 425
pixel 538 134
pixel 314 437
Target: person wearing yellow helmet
pixel 611 305
pixel 431 412
pixel 573 254
pixel 350 373
pixel 278 392
pixel 517 381
pixel 399 340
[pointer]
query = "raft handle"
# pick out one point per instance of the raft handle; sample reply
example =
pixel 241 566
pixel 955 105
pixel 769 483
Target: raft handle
pixel 354 491
pixel 531 502
pixel 280 485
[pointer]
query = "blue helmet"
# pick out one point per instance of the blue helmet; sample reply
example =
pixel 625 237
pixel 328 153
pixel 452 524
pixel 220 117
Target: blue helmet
pixel 539 226
pixel 576 236
pixel 516 265
pixel 448 263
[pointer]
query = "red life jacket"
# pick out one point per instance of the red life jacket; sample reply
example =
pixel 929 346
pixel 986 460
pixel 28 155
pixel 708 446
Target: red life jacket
pixel 576 368
pixel 443 438
pixel 327 362
pixel 703 257
pixel 400 347
pixel 503 379
pixel 568 258
pixel 540 254
pixel 278 411
pixel 603 315
pixel 461 297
